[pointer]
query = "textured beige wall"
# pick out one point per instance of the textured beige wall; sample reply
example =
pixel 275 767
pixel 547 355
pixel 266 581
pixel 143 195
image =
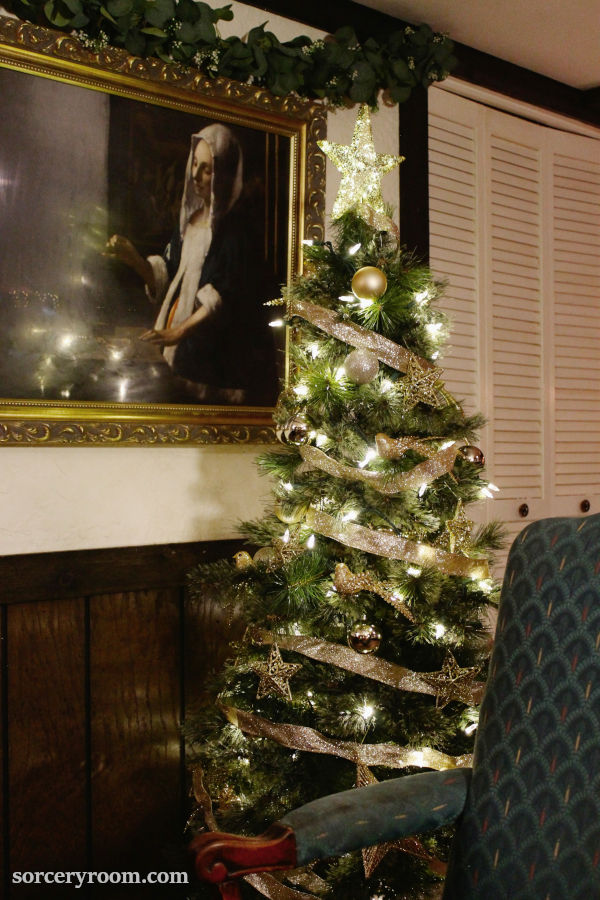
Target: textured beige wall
pixel 88 497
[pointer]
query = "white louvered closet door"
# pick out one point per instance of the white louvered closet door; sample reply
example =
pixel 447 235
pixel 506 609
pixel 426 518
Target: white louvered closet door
pixel 515 210
pixel 576 274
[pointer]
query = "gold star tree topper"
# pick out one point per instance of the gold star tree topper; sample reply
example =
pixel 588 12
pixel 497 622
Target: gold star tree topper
pixel 275 675
pixel 362 170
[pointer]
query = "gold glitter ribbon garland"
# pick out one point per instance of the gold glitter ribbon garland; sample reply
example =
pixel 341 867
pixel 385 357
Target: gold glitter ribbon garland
pixel 423 473
pixel 392 546
pixel 346 582
pixel 372 667
pixel 385 350
pixel 300 737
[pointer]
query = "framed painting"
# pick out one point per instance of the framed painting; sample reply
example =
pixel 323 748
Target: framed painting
pixel 146 216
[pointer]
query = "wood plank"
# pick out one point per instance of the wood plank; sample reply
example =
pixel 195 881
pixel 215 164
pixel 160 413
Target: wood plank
pixel 46 741
pixel 77 573
pixel 135 693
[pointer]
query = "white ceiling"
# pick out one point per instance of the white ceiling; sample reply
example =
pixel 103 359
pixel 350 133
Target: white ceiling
pixel 557 38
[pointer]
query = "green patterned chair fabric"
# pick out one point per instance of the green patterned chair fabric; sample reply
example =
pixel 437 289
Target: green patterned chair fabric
pixel 531 825
pixel 528 814
pixel 334 825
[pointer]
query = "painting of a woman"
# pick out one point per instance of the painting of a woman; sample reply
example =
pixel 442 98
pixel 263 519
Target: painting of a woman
pixel 210 283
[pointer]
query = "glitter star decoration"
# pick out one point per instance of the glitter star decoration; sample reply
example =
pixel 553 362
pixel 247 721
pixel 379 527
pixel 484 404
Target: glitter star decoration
pixel 275 675
pixel 458 530
pixel 421 385
pixel 372 856
pixel 362 170
pixel 452 682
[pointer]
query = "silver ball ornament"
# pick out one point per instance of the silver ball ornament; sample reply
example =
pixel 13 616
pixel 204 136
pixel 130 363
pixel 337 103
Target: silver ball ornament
pixel 364 637
pixel 361 366
pixel 473 454
pixel 295 431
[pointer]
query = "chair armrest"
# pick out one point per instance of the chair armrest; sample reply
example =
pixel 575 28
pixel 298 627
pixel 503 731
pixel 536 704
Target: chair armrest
pixel 333 825
pixel 219 856
pixel 377 813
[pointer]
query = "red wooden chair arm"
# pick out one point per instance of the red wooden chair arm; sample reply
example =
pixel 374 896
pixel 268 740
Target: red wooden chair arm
pixel 219 857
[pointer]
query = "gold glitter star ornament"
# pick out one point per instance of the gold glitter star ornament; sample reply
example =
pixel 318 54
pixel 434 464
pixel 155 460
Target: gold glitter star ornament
pixel 275 675
pixel 362 170
pixel 459 530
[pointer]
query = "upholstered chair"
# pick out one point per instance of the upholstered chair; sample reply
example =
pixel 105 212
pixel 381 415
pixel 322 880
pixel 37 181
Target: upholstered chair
pixel 528 813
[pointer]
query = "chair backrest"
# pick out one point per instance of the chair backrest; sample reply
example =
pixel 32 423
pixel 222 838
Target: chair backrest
pixel 531 825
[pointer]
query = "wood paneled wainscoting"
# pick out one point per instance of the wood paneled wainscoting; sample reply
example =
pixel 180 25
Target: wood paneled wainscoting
pixel 102 653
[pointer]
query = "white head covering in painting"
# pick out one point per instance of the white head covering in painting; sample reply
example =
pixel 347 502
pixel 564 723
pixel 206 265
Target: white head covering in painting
pixel 227 176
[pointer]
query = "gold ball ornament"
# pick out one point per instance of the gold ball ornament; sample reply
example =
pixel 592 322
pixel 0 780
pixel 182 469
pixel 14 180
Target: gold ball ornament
pixel 289 515
pixel 369 283
pixel 472 454
pixel 361 366
pixel 363 637
pixel 242 559
pixel 265 555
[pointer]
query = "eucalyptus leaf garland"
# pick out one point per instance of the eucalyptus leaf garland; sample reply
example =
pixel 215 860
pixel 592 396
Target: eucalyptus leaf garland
pixel 338 69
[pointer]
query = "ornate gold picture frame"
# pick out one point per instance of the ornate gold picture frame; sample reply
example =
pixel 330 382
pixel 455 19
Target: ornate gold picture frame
pixel 99 193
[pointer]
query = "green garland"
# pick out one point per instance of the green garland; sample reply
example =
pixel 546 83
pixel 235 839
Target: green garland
pixel 338 68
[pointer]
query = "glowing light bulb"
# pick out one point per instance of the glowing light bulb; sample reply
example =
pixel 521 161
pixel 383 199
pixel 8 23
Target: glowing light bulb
pixel 340 374
pixel 311 542
pixel 435 355
pixel 412 570
pixel 421 297
pixel 493 487
pixel 347 298
pixel 364 303
pixel 439 630
pixel 434 328
pixel 369 455
pixel 485 585
pixel 288 485
pixel 367 712
pixel 309 693
pixel 422 489
pixel 276 323
pixel 301 390
pixel 350 516
pixel 446 444
pixel 470 728
pixel 286 536
pixel 321 440
pixel 314 350
pixel 354 249
pixel 66 341
pixel 386 385
pixel 485 492
pixel 308 242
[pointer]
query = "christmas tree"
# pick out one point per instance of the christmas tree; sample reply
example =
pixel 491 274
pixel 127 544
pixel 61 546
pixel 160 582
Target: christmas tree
pixel 364 652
